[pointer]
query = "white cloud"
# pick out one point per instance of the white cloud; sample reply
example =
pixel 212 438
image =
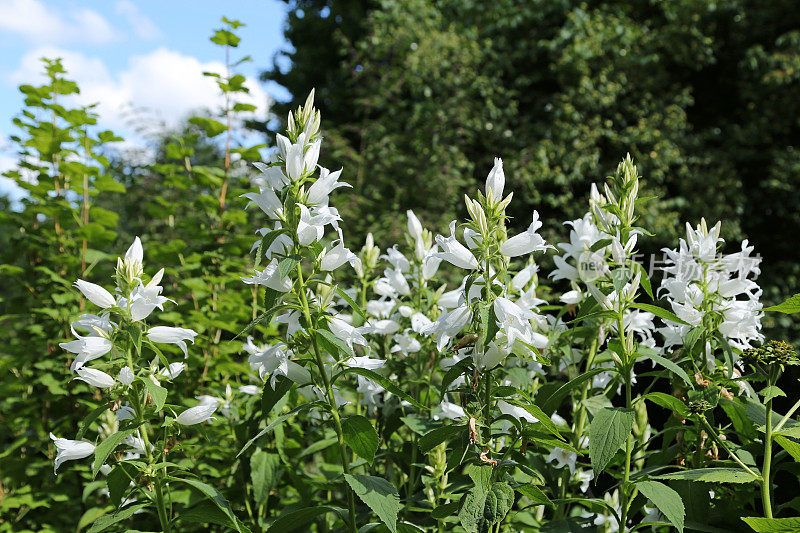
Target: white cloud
pixel 41 24
pixel 163 85
pixel 139 23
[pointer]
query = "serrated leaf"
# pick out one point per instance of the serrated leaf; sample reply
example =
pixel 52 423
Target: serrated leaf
pixel 773 525
pixel 297 518
pixel 669 402
pixel 103 450
pixel 711 475
pixel 212 494
pixel 608 432
pixel 156 392
pixel 666 499
pixel 789 307
pixel 352 303
pixel 379 495
pixel 265 473
pixel 660 312
pixel 551 402
pixel 106 521
pixel 673 367
pixel 534 493
pixel 439 435
pixel 361 436
pixel 489 324
pixel 119 480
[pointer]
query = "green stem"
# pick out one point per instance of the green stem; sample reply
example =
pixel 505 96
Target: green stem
pixel 629 442
pixel 721 443
pixel 766 498
pixel 584 394
pixel 159 479
pixel 337 423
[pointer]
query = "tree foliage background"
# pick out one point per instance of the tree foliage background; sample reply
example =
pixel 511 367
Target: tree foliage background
pixel 420 95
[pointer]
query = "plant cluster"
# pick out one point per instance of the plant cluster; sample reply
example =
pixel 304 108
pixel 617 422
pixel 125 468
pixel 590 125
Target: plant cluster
pixel 437 384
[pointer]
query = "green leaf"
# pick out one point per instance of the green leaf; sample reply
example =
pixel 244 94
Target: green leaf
pixel 265 473
pixel 157 393
pixel 540 415
pixel 333 344
pixel 660 312
pixel 444 511
pixel 551 403
pixel 212 128
pixel 791 446
pixel 499 501
pixel 712 475
pixel 270 396
pixel 669 402
pixel 608 432
pixel 106 521
pixel 361 436
pixel 535 494
pixel 432 439
pixel 386 383
pixel 379 495
pixel 771 391
pixel 488 324
pixel 213 494
pixel 207 512
pixel 666 499
pixel 773 525
pixel 789 307
pixel 352 303
pixel 297 518
pixel 103 450
pixel 602 243
pixel 87 421
pixel 119 480
pixel 644 280
pixel 672 366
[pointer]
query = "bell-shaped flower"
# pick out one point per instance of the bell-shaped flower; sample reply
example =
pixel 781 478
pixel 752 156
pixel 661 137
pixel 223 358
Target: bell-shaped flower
pixel 311 226
pixel 96 294
pixel 495 181
pixel 88 348
pixel 414 226
pixel 449 410
pixel 419 322
pixel 145 299
pixel 327 182
pixel 454 252
pixel 365 362
pixel 526 242
pixel 430 263
pixel 346 332
pixel 397 280
pixel 521 278
pixel 337 256
pixel 513 320
pixel 382 327
pixel 397 259
pixel 172 371
pixel 267 201
pixel 448 325
pixel 406 344
pixel 126 376
pixel 170 335
pixel 563 458
pixel 197 414
pixel 271 175
pixel 95 378
pixel 370 391
pixel 517 412
pixel 270 277
pixel 572 297
pixel 489 357
pixel 70 450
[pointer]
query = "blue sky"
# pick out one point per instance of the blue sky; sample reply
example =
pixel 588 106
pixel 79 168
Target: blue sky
pixel 135 58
